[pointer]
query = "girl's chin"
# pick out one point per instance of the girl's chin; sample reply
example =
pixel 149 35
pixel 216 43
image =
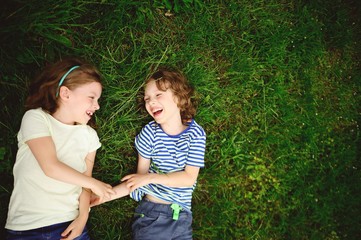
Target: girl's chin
pixel 84 121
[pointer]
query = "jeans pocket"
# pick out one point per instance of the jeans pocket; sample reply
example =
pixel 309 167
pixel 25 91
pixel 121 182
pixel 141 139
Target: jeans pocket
pixel 144 223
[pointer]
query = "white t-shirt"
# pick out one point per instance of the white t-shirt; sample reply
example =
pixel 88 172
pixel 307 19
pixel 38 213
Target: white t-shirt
pixel 38 200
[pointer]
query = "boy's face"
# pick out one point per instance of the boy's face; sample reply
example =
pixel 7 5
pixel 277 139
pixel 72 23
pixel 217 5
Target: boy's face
pixel 161 105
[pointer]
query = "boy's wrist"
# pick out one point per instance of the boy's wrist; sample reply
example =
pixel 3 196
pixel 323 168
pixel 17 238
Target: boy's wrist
pixel 157 178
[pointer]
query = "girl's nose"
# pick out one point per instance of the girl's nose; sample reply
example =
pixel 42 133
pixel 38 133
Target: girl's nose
pixel 96 106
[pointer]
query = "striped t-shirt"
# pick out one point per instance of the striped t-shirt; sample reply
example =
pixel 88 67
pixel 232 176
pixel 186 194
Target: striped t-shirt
pixel 170 153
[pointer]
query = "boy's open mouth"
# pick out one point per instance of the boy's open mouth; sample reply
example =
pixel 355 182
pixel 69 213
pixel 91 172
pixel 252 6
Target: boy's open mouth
pixel 158 112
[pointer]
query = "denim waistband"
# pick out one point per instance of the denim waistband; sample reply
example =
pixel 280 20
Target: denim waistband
pixel 167 209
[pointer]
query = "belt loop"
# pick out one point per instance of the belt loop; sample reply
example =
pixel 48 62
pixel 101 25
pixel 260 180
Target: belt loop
pixel 176 209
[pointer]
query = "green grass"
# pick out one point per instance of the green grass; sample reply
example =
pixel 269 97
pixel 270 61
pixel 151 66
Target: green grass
pixel 278 84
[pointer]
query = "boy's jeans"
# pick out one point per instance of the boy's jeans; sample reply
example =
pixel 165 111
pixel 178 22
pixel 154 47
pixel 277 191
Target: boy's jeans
pixel 154 221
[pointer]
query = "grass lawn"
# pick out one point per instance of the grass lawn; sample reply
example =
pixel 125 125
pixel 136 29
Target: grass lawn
pixel 279 89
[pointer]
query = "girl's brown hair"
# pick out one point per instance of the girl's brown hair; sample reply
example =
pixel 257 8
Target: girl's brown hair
pixel 43 90
pixel 182 90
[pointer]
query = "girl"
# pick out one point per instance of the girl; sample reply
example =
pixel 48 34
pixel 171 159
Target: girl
pixel 56 153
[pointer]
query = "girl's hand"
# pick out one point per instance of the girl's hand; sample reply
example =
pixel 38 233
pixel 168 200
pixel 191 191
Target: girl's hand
pixel 75 229
pixel 102 190
pixel 120 190
pixel 94 200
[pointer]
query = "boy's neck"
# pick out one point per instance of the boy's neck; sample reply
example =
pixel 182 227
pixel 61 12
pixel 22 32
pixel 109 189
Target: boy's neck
pixel 174 129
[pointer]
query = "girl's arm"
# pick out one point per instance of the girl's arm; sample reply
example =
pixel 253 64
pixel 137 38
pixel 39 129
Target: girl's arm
pixel 184 178
pixel 77 226
pixel 44 151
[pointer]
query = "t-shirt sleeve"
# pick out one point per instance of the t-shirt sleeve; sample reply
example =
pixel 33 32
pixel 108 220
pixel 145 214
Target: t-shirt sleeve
pixel 144 141
pixel 196 151
pixel 33 125
pixel 94 140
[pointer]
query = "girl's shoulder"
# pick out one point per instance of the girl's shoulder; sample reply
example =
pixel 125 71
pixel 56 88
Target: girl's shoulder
pixel 36 114
pixel 35 111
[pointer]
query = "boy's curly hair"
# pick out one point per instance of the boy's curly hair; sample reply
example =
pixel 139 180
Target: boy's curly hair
pixel 174 80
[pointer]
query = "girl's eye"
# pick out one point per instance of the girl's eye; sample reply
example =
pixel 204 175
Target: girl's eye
pixel 159 94
pixel 146 99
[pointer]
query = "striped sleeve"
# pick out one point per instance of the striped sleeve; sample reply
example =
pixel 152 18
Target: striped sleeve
pixel 144 141
pixel 197 151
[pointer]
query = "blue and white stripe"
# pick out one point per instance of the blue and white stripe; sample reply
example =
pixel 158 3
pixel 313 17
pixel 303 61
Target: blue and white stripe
pixel 170 153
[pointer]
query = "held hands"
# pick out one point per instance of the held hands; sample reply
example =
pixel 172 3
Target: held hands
pixel 129 184
pixel 120 191
pixel 95 200
pixel 102 190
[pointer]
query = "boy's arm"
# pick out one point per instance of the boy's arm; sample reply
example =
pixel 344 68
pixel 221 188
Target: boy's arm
pixel 184 178
pixel 122 189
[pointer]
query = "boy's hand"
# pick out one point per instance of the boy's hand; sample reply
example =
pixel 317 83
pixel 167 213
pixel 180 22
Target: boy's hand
pixel 134 181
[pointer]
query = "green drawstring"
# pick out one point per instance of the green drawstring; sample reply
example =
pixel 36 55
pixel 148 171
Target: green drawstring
pixel 176 209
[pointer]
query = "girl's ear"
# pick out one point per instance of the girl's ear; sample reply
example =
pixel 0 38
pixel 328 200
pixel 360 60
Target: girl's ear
pixel 64 92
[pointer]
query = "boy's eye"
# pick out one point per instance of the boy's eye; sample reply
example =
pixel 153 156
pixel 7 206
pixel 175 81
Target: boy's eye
pixel 159 94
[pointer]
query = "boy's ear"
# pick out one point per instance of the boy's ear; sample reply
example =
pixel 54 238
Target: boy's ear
pixel 176 100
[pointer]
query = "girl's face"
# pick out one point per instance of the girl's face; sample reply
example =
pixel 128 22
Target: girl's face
pixel 83 101
pixel 161 105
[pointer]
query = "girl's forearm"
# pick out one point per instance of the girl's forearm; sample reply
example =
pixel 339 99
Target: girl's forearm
pixel 84 200
pixel 64 173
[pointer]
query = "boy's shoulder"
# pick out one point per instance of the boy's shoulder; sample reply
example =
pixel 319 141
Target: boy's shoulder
pixel 149 128
pixel 151 124
pixel 197 129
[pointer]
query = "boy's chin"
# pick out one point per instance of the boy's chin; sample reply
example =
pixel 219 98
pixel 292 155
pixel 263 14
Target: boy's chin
pixel 158 120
